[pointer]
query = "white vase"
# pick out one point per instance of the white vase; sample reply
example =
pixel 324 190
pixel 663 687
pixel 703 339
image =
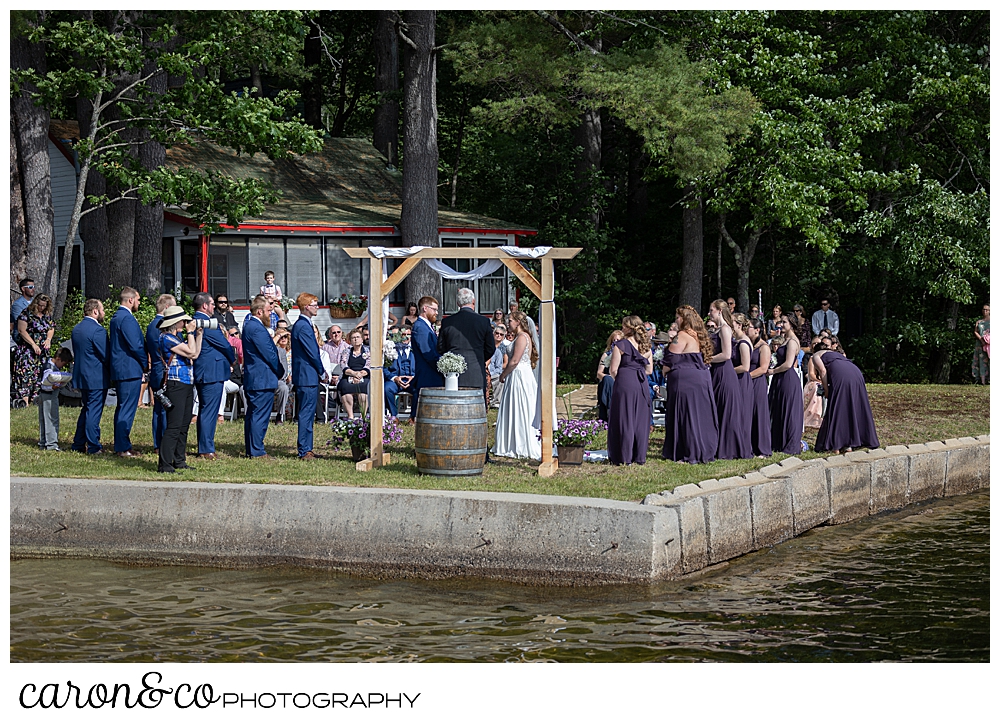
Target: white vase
pixel 451 382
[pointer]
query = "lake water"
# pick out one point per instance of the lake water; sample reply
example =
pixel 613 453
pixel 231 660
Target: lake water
pixel 912 586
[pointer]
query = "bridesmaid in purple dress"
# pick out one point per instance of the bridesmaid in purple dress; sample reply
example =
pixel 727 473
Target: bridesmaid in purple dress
pixel 760 362
pixel 691 431
pixel 733 443
pixel 631 407
pixel 848 421
pixel 785 395
pixel 742 352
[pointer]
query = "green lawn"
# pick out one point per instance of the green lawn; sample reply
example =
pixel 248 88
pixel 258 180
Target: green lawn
pixel 904 414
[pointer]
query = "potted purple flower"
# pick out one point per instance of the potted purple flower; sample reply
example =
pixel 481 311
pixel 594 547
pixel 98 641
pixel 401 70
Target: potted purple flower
pixel 573 435
pixel 356 433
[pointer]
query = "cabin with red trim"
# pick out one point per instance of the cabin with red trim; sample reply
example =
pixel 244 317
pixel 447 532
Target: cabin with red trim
pixel 345 195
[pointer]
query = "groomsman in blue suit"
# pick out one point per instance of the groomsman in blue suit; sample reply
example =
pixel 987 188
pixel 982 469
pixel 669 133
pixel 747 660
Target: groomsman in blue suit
pixel 127 350
pixel 307 370
pixel 212 370
pixel 90 375
pixel 261 371
pixel 425 351
pixel 163 301
pixel 399 374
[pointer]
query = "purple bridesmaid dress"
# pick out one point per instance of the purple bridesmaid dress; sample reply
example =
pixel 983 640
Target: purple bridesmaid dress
pixel 691 431
pixel 785 400
pixel 733 443
pixel 760 419
pixel 848 420
pixel 746 391
pixel 631 409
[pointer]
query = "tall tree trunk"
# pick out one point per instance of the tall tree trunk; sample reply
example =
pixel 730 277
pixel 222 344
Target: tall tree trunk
pixel 31 124
pixel 744 258
pixel 18 235
pixel 94 222
pixel 386 126
pixel 693 250
pixel 312 88
pixel 419 222
pixel 637 201
pixel 588 137
pixel 147 260
pixel 255 80
pixel 458 149
pixel 941 371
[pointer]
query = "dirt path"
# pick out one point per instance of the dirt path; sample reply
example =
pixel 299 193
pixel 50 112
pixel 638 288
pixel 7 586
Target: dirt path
pixel 577 401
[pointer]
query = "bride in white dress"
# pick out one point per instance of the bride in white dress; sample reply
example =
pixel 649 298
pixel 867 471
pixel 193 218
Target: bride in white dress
pixel 515 437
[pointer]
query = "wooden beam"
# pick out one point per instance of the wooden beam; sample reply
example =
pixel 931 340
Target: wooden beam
pixel 548 397
pixel 524 275
pixel 397 276
pixel 376 390
pixel 434 252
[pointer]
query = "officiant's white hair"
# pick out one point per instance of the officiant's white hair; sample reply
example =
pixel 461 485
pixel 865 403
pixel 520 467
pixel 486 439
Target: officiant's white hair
pixel 465 296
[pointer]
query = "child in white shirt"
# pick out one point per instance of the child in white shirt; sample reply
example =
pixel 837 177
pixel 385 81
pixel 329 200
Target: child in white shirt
pixel 53 378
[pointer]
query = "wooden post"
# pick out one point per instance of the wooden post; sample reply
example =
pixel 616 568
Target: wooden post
pixel 549 464
pixel 376 388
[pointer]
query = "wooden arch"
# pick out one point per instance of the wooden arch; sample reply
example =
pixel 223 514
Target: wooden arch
pixel 379 290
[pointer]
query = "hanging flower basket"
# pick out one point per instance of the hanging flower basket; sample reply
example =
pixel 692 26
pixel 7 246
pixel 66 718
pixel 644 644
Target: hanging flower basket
pixel 348 306
pixel 338 312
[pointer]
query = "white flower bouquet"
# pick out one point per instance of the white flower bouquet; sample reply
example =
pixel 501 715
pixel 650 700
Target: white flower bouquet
pixel 451 363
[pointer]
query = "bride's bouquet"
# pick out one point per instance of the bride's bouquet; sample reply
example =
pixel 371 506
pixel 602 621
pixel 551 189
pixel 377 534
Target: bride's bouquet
pixel 451 363
pixel 658 354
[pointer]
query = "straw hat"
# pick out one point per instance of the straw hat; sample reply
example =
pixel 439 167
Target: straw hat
pixel 661 338
pixel 171 315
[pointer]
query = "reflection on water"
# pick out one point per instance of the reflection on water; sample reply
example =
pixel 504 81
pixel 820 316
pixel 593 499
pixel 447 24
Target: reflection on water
pixel 911 586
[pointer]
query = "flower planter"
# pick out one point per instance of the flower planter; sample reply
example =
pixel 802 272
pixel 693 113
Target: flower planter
pixel 337 312
pixel 358 453
pixel 570 454
pixel 451 382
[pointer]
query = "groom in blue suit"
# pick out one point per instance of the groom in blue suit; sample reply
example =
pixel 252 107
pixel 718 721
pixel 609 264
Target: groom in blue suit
pixel 425 353
pixel 127 350
pixel 90 376
pixel 307 370
pixel 212 369
pixel 261 371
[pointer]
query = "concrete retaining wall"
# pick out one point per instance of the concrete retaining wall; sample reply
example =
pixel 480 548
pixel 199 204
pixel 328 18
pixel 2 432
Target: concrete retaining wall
pixel 381 532
pixel 722 519
pixel 524 538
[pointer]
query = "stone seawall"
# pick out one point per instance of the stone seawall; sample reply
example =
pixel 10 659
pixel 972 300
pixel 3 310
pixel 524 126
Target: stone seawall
pixel 533 539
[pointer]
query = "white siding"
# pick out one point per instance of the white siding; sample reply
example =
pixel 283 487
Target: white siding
pixel 63 193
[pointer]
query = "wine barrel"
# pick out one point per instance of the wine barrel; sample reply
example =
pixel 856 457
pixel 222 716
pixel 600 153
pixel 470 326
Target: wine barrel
pixel 451 431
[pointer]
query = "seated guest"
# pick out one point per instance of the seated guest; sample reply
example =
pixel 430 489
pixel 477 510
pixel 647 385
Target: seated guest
pixel 410 318
pixel 399 375
pixel 606 382
pixel 497 319
pixel 355 362
pixel 283 340
pixel 223 312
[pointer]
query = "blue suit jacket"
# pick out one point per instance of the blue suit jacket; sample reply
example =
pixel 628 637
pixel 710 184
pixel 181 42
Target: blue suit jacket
pixel 424 347
pixel 90 355
pixel 307 368
pixel 402 367
pixel 153 350
pixel 261 367
pixel 215 363
pixel 127 348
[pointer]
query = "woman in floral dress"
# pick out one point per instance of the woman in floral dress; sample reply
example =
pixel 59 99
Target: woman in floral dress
pixel 981 356
pixel 33 341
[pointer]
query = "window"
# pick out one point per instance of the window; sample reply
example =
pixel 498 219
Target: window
pixel 227 268
pixel 343 274
pixel 266 254
pixel 304 269
pixel 490 291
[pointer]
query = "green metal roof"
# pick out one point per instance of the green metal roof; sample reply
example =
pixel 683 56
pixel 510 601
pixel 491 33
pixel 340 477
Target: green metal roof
pixel 347 183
